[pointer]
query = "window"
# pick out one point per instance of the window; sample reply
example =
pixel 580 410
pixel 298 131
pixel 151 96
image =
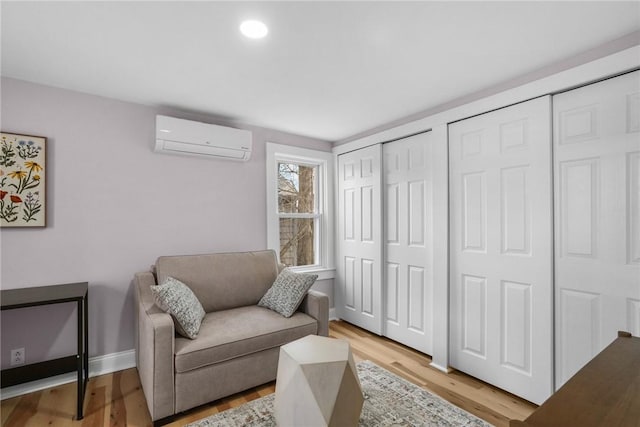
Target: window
pixel 299 209
pixel 299 219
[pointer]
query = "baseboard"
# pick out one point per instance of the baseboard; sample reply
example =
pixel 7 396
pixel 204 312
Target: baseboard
pixel 112 362
pixel 98 365
pixel 332 314
pixel 444 369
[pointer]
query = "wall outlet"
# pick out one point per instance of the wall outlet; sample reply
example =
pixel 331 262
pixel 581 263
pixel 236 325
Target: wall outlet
pixel 17 356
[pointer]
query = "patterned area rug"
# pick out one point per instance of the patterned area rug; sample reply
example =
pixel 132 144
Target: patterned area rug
pixel 389 401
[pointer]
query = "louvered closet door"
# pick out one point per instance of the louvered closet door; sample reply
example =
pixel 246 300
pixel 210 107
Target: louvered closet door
pixel 501 248
pixel 359 261
pixel 597 211
pixel 408 240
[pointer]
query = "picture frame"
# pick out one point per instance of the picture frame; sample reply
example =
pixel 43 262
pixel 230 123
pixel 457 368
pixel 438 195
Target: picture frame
pixel 23 181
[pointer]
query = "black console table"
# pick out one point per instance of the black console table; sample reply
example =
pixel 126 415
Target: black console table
pixel 56 294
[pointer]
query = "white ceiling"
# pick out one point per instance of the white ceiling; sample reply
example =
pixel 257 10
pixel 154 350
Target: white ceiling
pixel 327 69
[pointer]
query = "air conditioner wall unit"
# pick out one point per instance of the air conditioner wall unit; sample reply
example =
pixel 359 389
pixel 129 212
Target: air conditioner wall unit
pixel 186 137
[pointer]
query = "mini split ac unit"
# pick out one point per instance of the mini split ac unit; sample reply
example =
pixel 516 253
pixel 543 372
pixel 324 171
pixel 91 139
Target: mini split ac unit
pixel 185 137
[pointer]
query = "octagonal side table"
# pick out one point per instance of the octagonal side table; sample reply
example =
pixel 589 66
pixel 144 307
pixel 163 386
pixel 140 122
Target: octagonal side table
pixel 317 384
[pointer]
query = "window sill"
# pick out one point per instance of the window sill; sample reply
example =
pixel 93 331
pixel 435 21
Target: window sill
pixel 322 272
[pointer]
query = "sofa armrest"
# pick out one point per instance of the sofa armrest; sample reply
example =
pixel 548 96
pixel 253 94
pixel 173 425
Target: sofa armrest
pixel 155 348
pixel 316 305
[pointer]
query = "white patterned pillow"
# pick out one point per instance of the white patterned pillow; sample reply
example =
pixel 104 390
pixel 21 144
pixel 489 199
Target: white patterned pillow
pixel 287 292
pixel 180 302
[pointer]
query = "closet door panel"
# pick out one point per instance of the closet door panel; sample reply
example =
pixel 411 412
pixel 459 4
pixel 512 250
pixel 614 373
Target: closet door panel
pixel 597 214
pixel 501 248
pixel 408 241
pixel 359 245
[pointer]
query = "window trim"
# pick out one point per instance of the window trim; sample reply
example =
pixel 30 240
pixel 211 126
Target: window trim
pixel 276 153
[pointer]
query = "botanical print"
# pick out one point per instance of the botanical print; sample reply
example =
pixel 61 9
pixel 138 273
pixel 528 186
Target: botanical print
pixel 22 180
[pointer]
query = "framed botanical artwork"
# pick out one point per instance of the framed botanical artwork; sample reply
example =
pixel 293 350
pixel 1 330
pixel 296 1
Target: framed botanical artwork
pixel 22 180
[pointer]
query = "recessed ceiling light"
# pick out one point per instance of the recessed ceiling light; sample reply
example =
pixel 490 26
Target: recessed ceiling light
pixel 254 29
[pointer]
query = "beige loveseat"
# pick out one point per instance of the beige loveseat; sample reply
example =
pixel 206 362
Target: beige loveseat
pixel 238 343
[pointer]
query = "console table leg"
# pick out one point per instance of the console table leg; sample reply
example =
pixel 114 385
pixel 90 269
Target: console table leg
pixel 86 344
pixel 80 359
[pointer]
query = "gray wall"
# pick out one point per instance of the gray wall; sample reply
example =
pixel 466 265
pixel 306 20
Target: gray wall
pixel 114 206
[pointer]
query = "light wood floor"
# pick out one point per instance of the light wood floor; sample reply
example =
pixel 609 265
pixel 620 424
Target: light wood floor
pixel 117 399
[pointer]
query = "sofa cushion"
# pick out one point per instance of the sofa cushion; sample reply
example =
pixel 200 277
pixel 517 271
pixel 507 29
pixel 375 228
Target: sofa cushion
pixel 237 332
pixel 287 292
pixel 178 300
pixel 225 280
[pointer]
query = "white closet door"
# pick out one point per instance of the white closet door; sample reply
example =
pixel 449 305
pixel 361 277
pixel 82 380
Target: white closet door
pixel 501 248
pixel 597 212
pixel 359 261
pixel 408 240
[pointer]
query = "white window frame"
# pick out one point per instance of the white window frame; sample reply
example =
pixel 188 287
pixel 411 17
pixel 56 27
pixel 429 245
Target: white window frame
pixel 323 238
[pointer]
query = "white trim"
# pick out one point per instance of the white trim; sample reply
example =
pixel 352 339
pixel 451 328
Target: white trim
pixel 332 314
pixel 441 368
pixel 323 273
pixel 440 194
pixel 98 365
pixel 324 159
pixel 112 362
pixel 616 63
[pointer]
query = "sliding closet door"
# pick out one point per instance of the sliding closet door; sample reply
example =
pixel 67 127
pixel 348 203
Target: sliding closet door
pixel 597 188
pixel 501 248
pixel 359 243
pixel 408 240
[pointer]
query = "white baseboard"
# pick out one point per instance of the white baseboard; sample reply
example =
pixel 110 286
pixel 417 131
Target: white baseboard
pixel 332 314
pixel 112 363
pixel 98 365
pixel 441 368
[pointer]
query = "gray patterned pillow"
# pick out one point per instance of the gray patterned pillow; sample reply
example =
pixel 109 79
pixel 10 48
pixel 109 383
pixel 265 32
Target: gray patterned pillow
pixel 287 292
pixel 180 302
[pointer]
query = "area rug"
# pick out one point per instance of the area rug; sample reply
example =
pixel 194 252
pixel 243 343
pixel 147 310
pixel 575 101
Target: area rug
pixel 389 401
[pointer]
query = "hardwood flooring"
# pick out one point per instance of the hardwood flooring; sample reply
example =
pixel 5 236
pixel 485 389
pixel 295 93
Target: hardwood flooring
pixel 117 399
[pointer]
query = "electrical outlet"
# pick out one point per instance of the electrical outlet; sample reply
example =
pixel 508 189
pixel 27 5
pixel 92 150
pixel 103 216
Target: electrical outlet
pixel 17 356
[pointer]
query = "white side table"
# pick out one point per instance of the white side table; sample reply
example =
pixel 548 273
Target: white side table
pixel 317 384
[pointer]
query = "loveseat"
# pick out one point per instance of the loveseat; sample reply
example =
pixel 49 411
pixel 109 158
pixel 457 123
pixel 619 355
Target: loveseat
pixel 238 342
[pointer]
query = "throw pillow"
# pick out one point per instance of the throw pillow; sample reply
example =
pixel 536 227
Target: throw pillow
pixel 175 298
pixel 287 292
